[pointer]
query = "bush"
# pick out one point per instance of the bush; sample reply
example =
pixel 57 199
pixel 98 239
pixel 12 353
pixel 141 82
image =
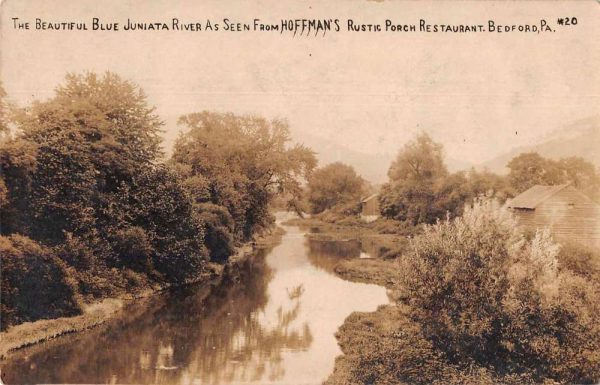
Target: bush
pixel 485 294
pixel 133 247
pixel 581 260
pixel 35 283
pixel 218 231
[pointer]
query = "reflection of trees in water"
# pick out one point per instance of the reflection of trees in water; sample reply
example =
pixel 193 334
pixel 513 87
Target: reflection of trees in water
pixel 327 254
pixel 212 333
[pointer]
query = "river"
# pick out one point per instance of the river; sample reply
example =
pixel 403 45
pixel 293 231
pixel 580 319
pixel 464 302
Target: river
pixel 274 324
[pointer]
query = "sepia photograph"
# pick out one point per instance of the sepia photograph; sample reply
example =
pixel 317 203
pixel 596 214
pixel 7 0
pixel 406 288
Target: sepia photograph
pixel 311 192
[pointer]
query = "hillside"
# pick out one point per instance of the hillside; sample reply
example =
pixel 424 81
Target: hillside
pixel 581 138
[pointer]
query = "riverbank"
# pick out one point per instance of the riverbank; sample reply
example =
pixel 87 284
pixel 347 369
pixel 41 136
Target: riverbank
pixel 388 346
pixel 98 313
pixel 369 341
pixel 384 346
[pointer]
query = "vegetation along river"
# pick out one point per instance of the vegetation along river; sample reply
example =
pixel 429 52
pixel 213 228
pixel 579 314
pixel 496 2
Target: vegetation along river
pixel 275 323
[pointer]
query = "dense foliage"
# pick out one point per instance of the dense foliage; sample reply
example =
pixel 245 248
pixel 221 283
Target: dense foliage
pixel 421 190
pixel 240 163
pixel 86 200
pixel 35 283
pixel 529 169
pixel 485 295
pixel 333 185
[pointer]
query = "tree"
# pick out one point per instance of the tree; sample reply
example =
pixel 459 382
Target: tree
pixel 95 134
pixel 245 173
pixel 420 189
pixel 486 183
pixel 529 169
pixel 421 159
pixel 83 176
pixel 156 211
pixel 333 185
pixel 582 174
pixel 413 179
pixel 3 130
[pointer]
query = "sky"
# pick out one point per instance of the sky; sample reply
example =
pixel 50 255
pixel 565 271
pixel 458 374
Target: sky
pixel 478 94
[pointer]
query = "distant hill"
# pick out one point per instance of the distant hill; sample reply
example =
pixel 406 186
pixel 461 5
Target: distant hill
pixel 581 138
pixel 372 167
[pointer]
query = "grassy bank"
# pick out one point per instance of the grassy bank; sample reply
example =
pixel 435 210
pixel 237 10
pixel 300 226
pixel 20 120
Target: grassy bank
pixel 97 313
pixel 380 239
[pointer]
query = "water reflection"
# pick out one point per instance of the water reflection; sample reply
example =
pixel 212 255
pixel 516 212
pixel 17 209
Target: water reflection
pixel 327 254
pixel 275 324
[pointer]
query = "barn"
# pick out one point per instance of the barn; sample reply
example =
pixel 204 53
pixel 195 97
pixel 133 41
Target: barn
pixel 567 212
pixel 369 207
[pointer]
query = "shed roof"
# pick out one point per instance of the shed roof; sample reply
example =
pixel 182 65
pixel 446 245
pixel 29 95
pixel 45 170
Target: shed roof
pixel 531 198
pixel 365 200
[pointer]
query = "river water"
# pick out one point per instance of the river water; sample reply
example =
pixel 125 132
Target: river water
pixel 274 324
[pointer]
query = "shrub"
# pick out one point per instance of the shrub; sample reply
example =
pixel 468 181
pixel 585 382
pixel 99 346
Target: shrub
pixel 485 294
pixel 133 248
pixel 581 260
pixel 35 283
pixel 218 231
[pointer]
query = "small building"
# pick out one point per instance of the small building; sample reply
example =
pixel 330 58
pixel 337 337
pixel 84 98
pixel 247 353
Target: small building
pixel 369 208
pixel 567 212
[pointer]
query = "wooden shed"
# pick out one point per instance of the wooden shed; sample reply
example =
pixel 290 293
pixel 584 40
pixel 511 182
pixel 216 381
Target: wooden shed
pixel 567 212
pixel 369 207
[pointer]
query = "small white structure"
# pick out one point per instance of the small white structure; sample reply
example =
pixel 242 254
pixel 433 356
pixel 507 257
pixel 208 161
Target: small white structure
pixel 369 208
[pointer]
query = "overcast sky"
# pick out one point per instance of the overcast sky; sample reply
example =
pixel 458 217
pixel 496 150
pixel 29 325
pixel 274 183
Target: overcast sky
pixel 479 94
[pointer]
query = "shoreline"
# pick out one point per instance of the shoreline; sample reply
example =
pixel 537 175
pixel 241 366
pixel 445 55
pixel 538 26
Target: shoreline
pixel 362 329
pixel 95 314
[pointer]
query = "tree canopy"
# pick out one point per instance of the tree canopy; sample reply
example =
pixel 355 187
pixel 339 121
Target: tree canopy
pixel 83 176
pixel 421 190
pixel 241 163
pixel 334 184
pixel 529 169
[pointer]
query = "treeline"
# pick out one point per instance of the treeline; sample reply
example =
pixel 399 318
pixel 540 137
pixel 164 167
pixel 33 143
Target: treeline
pixel 421 190
pixel 90 207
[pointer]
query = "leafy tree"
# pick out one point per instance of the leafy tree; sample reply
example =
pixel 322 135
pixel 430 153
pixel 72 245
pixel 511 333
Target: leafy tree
pixel 414 178
pixel 245 161
pixel 18 160
pixel 421 190
pixel 83 175
pixel 333 185
pixel 409 201
pixel 582 174
pixel 161 209
pixel 93 136
pixel 219 229
pixel 485 183
pixel 529 169
pixel 3 130
pixel 421 159
pixel 451 193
